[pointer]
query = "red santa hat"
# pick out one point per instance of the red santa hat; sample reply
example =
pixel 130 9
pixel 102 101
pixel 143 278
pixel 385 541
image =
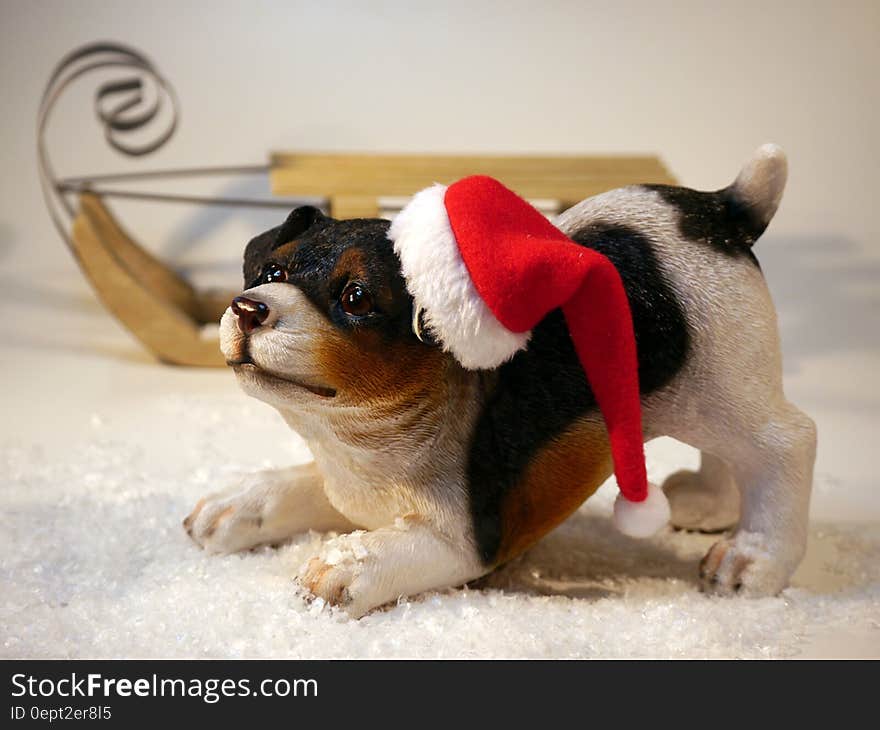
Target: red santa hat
pixel 484 268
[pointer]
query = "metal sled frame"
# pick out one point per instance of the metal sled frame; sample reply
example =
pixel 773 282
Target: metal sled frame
pixel 160 308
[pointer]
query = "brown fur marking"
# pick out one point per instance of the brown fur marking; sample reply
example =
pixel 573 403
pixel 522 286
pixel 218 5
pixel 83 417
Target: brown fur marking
pixel 367 368
pixel 285 252
pixel 191 517
pixel 350 263
pixel 557 481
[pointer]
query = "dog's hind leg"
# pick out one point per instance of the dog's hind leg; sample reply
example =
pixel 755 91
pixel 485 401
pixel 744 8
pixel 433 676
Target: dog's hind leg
pixel 707 500
pixel 773 464
pixel 265 508
pixel 731 404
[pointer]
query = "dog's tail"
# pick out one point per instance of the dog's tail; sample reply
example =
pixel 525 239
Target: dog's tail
pixel 757 190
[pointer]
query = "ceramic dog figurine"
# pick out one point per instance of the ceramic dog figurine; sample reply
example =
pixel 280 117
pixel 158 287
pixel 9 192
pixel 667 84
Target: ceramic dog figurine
pixel 436 471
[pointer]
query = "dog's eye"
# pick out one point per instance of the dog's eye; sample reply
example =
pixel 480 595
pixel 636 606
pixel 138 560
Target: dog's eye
pixel 273 273
pixel 356 300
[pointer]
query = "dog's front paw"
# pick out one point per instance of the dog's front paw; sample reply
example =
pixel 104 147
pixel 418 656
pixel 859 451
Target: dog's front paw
pixel 745 564
pixel 342 574
pixel 225 524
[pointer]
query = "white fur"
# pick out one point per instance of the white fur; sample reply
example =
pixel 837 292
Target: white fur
pixel 642 519
pixel 439 282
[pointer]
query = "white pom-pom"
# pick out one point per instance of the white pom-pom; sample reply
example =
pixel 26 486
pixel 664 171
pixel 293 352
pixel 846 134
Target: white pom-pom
pixel 642 519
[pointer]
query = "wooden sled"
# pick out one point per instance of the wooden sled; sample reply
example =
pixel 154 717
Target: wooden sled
pixel 164 311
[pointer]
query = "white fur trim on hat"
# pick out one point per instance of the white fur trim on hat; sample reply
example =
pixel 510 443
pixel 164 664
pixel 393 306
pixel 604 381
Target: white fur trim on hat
pixel 439 282
pixel 642 519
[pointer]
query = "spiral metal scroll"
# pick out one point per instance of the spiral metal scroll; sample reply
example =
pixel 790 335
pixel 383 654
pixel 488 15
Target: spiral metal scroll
pixel 122 107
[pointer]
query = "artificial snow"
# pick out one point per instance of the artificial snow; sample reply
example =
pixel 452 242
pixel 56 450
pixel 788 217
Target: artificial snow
pixel 94 563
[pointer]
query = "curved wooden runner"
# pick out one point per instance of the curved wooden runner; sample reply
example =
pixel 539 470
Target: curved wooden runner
pixel 162 310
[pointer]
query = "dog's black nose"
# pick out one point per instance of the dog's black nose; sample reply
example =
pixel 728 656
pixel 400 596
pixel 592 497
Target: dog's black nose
pixel 250 313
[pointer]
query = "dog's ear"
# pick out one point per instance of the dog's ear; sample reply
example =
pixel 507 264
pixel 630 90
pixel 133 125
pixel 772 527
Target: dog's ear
pixel 255 253
pixel 297 223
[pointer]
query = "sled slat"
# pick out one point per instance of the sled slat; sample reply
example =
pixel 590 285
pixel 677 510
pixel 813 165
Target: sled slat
pixel 352 181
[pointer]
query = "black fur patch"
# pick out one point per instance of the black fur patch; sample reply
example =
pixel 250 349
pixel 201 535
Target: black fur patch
pixel 717 219
pixel 310 247
pixel 543 389
pixel 259 247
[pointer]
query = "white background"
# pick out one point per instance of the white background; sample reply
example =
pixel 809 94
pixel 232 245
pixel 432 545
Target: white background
pixel 699 83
